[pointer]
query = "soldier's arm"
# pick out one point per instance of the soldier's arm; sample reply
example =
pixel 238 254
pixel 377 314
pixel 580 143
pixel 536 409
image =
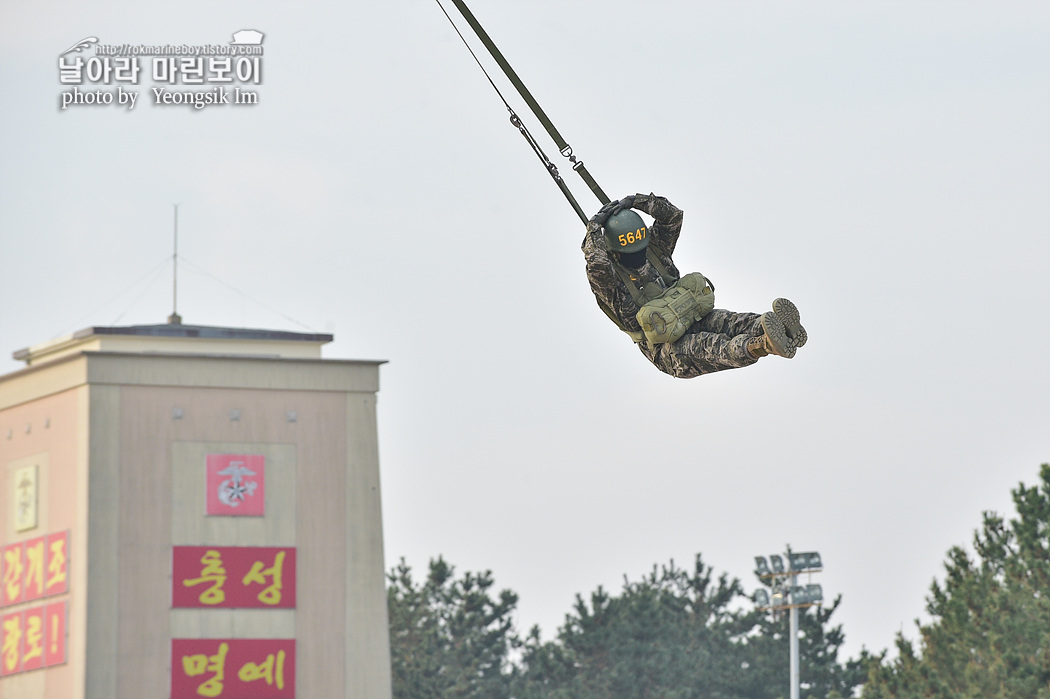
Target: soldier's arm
pixel 667 220
pixel 604 282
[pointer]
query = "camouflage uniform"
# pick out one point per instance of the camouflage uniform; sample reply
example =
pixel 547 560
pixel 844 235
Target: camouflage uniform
pixel 715 342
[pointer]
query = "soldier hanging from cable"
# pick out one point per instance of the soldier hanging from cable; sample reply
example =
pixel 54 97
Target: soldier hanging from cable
pixel 671 317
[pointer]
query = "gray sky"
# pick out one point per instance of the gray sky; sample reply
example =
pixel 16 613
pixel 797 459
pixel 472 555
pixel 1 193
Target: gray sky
pixel 884 165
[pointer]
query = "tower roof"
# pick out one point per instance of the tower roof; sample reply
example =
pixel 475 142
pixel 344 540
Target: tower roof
pixel 176 338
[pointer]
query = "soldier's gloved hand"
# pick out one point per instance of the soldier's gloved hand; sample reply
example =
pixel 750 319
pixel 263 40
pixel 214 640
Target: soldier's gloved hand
pixel 605 212
pixel 627 202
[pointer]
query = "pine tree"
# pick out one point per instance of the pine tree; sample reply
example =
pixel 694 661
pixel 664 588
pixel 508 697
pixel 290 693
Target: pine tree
pixel 673 634
pixel 449 638
pixel 821 673
pixel 990 633
pixel 677 634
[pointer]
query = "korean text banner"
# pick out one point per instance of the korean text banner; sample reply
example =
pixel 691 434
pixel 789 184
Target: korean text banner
pixel 233 576
pixel 232 668
pixel 35 568
pixel 33 638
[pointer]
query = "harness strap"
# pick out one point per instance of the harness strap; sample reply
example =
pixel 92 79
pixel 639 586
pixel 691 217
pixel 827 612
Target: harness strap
pixel 563 147
pixel 654 260
pixel 640 295
pixel 647 294
pixel 668 278
pixel 551 168
pixel 629 280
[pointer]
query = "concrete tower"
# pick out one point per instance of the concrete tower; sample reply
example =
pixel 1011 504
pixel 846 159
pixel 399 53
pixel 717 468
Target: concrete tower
pixel 190 511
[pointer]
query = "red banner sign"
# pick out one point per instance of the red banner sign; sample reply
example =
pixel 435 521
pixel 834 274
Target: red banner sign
pixel 236 484
pixel 33 585
pixel 33 569
pixel 56 575
pixel 232 668
pixel 55 615
pixel 33 638
pixel 233 576
pixel 13 574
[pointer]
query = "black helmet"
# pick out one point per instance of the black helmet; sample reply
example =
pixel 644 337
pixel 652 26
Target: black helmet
pixel 625 231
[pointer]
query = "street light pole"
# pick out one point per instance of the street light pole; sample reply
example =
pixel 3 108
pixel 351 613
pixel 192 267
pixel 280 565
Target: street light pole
pixel 789 595
pixel 793 625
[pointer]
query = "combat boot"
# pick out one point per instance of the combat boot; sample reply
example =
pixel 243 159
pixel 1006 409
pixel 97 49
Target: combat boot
pixel 773 340
pixel 788 314
pixel 756 347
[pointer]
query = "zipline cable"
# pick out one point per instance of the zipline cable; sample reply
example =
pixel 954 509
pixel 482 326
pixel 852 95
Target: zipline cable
pixel 552 169
pixel 563 147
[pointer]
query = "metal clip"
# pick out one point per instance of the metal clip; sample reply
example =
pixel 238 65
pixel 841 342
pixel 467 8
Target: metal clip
pixel 567 152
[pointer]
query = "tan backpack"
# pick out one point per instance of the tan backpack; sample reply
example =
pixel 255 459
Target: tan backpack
pixel 666 309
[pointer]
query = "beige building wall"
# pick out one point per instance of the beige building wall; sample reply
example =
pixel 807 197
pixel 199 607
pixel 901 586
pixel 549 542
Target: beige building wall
pixel 120 441
pixel 47 433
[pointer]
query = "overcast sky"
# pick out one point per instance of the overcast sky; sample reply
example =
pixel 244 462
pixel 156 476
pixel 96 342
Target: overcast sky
pixel 884 165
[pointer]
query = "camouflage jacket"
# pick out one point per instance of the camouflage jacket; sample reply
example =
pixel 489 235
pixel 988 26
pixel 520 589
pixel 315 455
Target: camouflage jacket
pixel 607 286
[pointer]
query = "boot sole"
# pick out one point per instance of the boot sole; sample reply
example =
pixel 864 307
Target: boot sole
pixel 788 314
pixel 774 329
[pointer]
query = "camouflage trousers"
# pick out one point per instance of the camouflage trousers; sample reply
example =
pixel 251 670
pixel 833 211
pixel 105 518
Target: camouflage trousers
pixel 715 342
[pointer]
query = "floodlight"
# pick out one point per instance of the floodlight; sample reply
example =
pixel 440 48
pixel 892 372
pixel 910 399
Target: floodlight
pixel 777 562
pixel 808 594
pixel 761 568
pixel 761 598
pixel 804 561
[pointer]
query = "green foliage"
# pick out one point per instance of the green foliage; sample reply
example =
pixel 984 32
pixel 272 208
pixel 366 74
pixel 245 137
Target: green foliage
pixel 674 634
pixel 449 638
pixel 822 675
pixel 667 636
pixel 681 635
pixel 990 634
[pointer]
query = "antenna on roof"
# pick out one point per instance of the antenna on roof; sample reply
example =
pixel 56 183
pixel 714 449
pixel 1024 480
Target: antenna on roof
pixel 175 318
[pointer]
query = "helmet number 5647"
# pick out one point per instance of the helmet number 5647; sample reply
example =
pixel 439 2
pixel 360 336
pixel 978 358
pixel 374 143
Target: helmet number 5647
pixel 628 238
